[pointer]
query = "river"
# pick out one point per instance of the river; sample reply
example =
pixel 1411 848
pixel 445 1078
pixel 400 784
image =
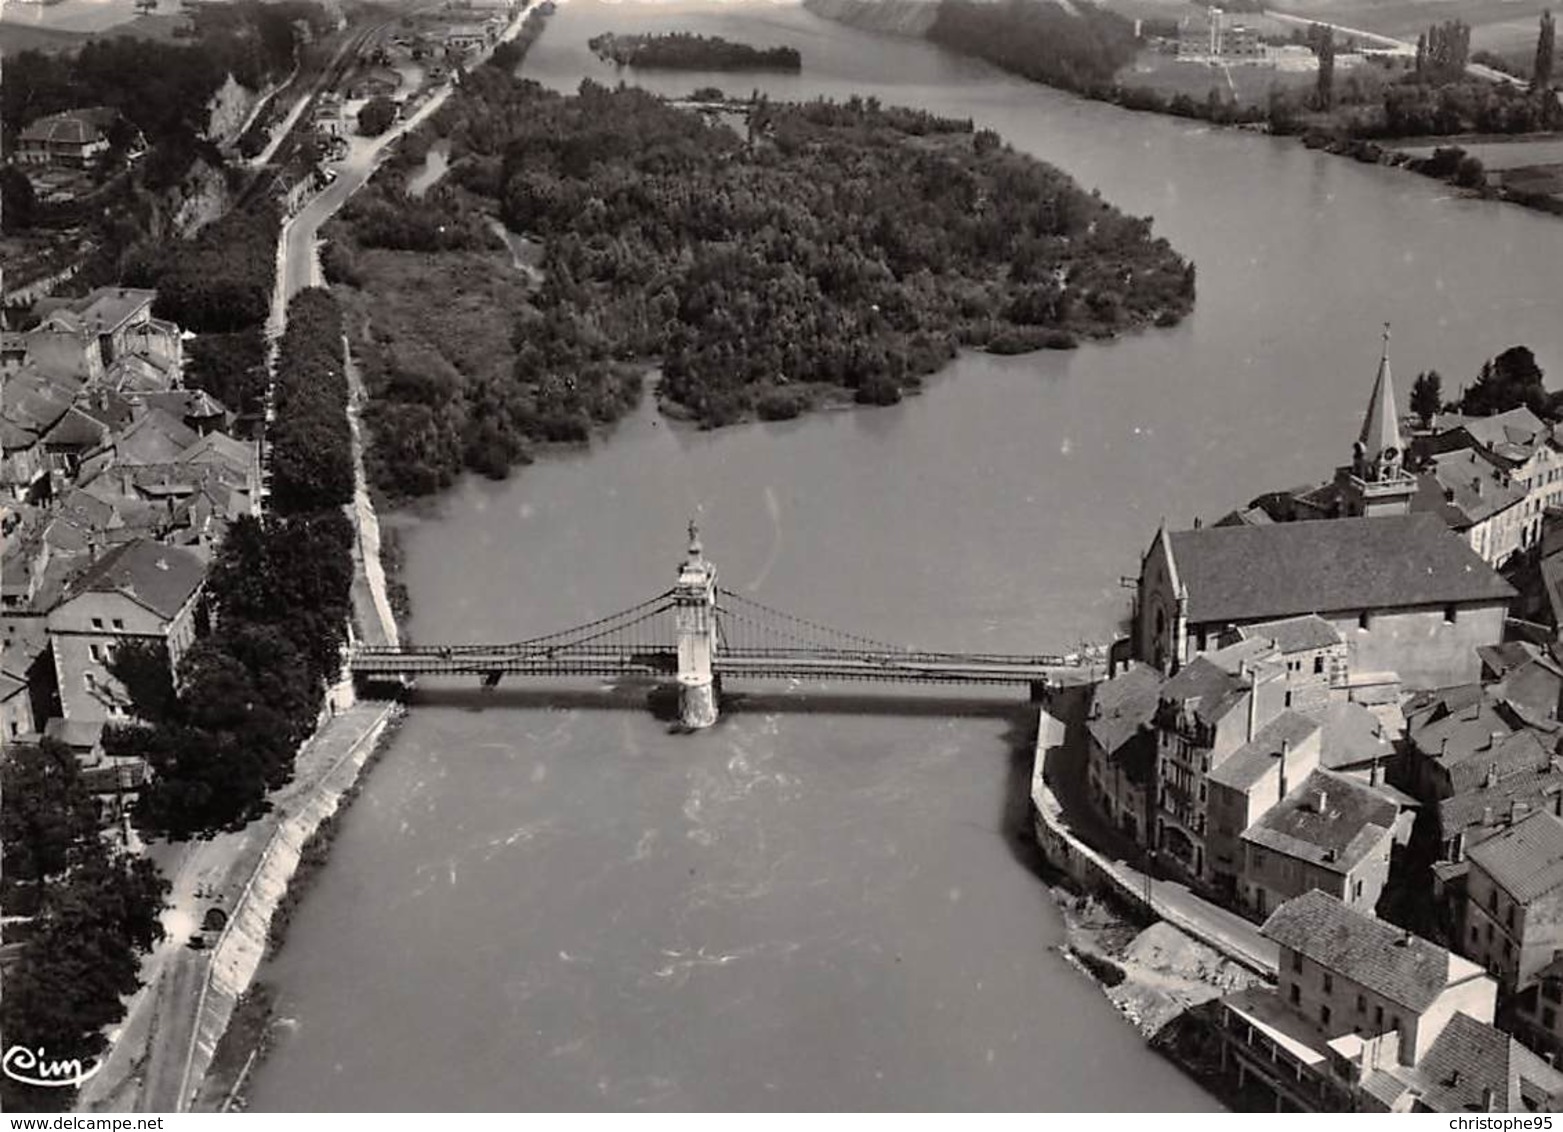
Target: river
pixel 544 900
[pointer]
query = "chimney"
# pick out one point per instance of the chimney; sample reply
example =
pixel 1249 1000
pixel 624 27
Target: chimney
pixel 1486 817
pixel 1373 774
pixel 1493 739
pixel 1476 486
pixel 1324 801
pixel 1286 749
pixel 1492 777
pixel 1448 495
pixel 1517 811
pixel 1488 1099
pixel 1253 705
pixel 1443 748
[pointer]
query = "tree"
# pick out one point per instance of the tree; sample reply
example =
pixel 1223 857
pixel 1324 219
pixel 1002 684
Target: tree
pixel 1324 48
pixel 18 202
pixel 1510 380
pixel 1546 38
pixel 1427 396
pixel 47 814
pixel 376 116
pixel 142 668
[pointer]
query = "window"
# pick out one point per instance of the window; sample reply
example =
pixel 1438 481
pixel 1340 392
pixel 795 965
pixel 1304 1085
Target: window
pixel 97 652
pixel 1324 1015
pixel 1288 699
pixel 1508 950
pixel 1297 962
pixel 97 622
pixel 118 623
pixel 1356 890
pixel 1364 620
pixel 1362 1005
pixel 1492 901
pixel 1318 665
pixel 1296 995
pixel 1549 1017
pixel 1474 933
pixel 1329 983
pixel 1394 1022
pixel 1489 933
pixel 1378 1016
pixel 1450 613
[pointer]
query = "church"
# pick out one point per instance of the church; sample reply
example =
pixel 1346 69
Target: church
pixel 1409 596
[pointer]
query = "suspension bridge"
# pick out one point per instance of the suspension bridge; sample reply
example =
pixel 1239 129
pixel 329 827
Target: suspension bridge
pixel 699 633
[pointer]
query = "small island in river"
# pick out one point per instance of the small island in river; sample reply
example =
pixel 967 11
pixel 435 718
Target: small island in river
pixel 683 51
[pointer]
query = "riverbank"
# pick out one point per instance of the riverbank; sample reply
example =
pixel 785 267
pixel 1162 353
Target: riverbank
pixel 1161 955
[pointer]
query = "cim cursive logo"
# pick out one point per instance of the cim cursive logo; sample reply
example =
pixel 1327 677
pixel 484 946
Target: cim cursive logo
pixel 32 1067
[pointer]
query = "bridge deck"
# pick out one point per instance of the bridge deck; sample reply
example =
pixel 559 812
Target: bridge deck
pixel 388 663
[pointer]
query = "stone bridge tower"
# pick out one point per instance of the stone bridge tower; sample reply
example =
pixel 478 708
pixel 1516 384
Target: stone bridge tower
pixel 695 610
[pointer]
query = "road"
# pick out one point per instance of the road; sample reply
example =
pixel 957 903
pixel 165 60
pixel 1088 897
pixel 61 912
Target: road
pixel 149 1064
pixel 1476 70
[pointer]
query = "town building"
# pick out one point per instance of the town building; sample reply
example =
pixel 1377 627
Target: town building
pixel 1357 1012
pixel 1478 502
pixel 1332 833
pixel 73 138
pixel 1407 596
pixel 140 591
pixel 1245 786
pixel 1514 901
pixel 1122 750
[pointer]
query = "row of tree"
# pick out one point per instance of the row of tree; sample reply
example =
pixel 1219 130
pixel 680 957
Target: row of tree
pixel 279 592
pixel 80 914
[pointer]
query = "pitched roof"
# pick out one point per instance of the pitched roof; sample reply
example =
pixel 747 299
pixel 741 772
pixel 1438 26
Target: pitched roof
pixel 1206 689
pixel 154 438
pixel 70 127
pixel 1352 735
pixel 1122 705
pixel 162 578
pixel 1464 489
pixel 1329 566
pixel 1470 1061
pixel 109 308
pixel 1489 807
pixel 1381 425
pixel 1296 634
pixel 1514 426
pixel 1526 859
pixel 1330 820
pixel 1403 968
pixel 1253 760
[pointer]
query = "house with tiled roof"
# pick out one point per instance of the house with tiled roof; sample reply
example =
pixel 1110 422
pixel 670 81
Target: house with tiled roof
pixel 1246 785
pixel 1513 923
pixel 1355 997
pixel 1478 501
pixel 1331 833
pixel 140 591
pixel 72 138
pixel 1474 1067
pixel 1121 744
pixel 1520 445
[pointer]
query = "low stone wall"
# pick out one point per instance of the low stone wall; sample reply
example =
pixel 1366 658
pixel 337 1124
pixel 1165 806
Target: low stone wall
pixel 238 951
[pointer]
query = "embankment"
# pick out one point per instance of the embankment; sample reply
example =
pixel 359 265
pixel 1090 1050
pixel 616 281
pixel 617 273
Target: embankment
pixel 898 17
pixel 239 950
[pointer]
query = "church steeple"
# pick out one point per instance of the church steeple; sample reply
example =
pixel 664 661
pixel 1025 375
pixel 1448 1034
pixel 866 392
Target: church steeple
pixel 1380 448
pixel 1377 482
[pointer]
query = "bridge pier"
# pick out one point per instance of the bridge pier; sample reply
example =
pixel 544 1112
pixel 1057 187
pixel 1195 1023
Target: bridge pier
pixel 697 705
pixel 694 600
pixel 1041 690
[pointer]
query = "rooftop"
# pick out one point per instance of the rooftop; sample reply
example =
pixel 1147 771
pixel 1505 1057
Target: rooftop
pixel 1330 820
pixel 1253 760
pixel 1296 634
pixel 1122 705
pixel 1526 860
pixel 1471 1061
pixel 1402 967
pixel 1489 806
pixel 1206 689
pixel 1249 573
pixel 1464 489
pixel 161 578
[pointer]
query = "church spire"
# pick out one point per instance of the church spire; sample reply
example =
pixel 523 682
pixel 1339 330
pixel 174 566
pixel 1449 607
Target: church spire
pixel 1379 445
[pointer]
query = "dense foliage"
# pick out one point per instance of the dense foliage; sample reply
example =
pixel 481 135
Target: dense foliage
pixel 280 594
pixel 1508 381
pixel 1078 47
pixel 231 367
pixel 843 248
pixel 376 116
pixel 90 913
pixel 687 52
pixel 220 281
pixel 311 444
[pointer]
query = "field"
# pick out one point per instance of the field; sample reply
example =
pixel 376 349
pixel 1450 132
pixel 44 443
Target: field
pixel 1246 83
pixel 1494 153
pixel 1496 25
